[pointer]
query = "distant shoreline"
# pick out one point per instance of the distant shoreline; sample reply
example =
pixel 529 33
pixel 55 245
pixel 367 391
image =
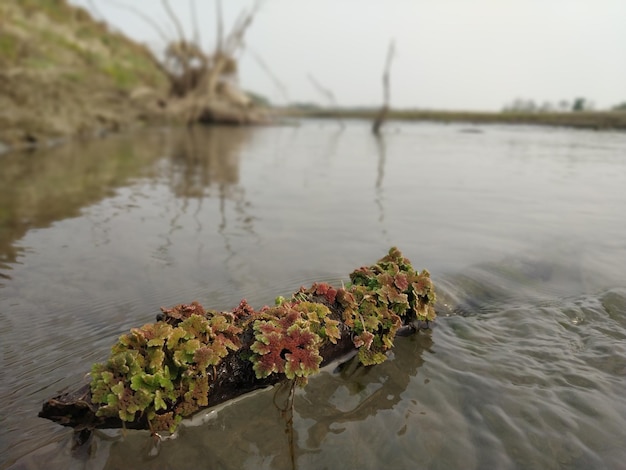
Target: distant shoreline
pixel 596 120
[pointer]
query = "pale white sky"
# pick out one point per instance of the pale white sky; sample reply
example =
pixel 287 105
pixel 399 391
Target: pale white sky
pixel 450 54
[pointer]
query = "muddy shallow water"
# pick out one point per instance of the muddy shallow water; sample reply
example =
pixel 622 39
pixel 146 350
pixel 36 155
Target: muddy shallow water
pixel 522 228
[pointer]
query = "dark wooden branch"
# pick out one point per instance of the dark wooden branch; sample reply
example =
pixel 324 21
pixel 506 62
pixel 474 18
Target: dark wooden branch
pixel 192 358
pixel 234 40
pixel 194 21
pixel 328 94
pixel 234 377
pixel 384 111
pixel 175 21
pixel 219 43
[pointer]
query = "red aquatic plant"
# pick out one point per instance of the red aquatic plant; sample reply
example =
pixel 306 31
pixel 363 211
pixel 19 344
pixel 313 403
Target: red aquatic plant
pixel 285 343
pixel 182 311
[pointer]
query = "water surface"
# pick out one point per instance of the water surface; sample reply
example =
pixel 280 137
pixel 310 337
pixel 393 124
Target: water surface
pixel 522 228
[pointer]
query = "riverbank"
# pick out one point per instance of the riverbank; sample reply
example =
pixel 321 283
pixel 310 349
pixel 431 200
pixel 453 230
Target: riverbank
pixel 599 120
pixel 64 74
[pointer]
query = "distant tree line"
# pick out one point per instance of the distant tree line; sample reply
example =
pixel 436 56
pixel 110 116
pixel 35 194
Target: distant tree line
pixel 620 107
pixel 521 105
pixel 531 106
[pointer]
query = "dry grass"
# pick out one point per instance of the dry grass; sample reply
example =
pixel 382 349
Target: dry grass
pixel 64 74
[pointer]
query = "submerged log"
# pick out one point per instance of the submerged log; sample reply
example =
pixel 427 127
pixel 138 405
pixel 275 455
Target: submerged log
pixel 234 377
pixel 192 358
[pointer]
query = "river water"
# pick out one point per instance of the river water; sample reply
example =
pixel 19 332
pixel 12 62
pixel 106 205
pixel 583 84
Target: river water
pixel 522 228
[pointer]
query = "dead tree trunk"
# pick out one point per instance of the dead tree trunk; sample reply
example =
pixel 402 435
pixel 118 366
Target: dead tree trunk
pixel 384 111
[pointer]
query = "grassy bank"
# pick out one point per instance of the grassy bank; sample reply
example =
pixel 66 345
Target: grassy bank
pixel 584 120
pixel 64 74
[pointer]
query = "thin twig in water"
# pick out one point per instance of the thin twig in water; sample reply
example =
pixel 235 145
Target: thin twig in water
pixel 327 92
pixel 289 424
pixel 382 114
pixel 287 413
pixel 330 96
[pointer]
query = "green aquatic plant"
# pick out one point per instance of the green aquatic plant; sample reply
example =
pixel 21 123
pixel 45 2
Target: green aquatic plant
pixel 164 371
pixel 160 372
pixel 381 299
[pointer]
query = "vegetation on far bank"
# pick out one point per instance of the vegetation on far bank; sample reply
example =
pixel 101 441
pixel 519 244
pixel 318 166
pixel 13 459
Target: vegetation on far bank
pixel 581 119
pixel 64 74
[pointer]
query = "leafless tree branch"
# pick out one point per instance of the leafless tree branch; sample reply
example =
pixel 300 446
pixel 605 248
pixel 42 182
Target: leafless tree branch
pixel 194 21
pixel 277 83
pixel 327 92
pixel 219 18
pixel 175 20
pixel 235 38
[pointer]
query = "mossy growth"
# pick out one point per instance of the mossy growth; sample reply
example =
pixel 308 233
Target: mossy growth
pixel 288 338
pixel 381 299
pixel 164 371
pixel 161 371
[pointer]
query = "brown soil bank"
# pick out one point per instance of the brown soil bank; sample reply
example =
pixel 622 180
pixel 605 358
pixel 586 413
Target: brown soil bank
pixel 64 74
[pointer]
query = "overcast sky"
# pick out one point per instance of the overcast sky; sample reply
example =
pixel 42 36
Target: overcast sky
pixel 450 54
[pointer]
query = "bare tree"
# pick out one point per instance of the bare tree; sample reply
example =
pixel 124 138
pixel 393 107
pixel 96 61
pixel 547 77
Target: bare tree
pixel 382 114
pixel 199 77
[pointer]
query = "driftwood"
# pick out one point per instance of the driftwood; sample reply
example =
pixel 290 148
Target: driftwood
pixel 234 377
pixel 243 350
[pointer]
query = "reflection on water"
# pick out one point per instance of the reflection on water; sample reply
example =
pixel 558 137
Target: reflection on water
pixel 355 393
pixel 40 187
pixel 205 160
pixel 521 227
pixel 380 174
pixel 204 163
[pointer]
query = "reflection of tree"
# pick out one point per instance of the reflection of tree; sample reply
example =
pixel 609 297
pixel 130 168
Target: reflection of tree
pixel 333 142
pixel 205 163
pixel 207 159
pixel 380 174
pixel 249 433
pixel 47 185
